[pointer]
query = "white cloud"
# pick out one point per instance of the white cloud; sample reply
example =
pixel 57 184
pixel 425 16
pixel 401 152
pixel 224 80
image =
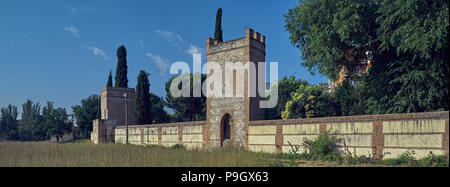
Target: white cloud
pixel 182 44
pixel 77 11
pixel 163 64
pixel 73 30
pixel 172 37
pixel 98 52
pixel 193 49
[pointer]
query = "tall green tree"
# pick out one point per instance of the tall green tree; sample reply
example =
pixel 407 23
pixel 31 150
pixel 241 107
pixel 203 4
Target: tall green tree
pixel 9 123
pixel 29 128
pixel 55 121
pixel 158 114
pixel 218 33
pixel 85 113
pixel 333 34
pixel 122 68
pixel 143 103
pixel 186 108
pixel 415 33
pixel 351 100
pixel 410 70
pixel 109 83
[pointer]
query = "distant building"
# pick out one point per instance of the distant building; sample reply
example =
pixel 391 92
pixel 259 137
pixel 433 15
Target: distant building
pixel 354 71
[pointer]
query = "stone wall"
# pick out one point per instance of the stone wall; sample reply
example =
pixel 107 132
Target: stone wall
pixel 381 136
pixel 188 134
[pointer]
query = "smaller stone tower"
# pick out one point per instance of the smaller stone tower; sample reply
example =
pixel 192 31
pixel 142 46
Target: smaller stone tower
pixel 113 105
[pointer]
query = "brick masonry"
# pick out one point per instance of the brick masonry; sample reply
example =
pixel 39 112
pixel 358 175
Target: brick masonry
pixel 377 140
pixel 160 136
pixel 279 139
pixel 322 128
pixel 180 135
pixel 142 135
pixel 446 139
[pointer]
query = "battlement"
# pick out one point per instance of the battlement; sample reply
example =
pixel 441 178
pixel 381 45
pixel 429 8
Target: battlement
pixel 252 38
pixel 249 33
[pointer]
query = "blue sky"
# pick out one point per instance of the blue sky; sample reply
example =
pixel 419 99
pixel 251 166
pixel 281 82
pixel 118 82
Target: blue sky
pixel 63 50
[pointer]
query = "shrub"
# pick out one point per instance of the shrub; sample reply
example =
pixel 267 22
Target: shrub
pixel 178 146
pixel 433 161
pixel 325 147
pixel 406 158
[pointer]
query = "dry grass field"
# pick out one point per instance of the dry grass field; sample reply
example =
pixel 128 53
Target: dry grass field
pixel 85 154
pixel 43 154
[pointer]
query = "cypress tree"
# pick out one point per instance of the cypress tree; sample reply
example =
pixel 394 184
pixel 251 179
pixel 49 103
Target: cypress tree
pixel 218 31
pixel 122 69
pixel 109 84
pixel 143 105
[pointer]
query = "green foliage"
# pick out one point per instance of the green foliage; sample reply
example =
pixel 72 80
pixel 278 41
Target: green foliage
pixel 405 158
pixel 109 83
pixel 309 101
pixel 331 33
pixel 294 154
pixel 408 159
pixel 159 115
pixel 86 113
pixel 416 27
pixel 33 126
pixel 218 30
pixel 186 108
pixel 286 86
pixel 9 123
pixel 30 125
pixel 409 43
pixel 325 147
pixel 55 121
pixel 433 161
pixel 351 100
pixel 143 103
pixel 178 146
pixel 122 68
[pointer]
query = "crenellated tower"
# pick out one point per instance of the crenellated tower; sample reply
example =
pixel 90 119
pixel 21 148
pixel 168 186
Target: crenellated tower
pixel 228 117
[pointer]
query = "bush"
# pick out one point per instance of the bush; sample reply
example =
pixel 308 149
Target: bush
pixel 325 147
pixel 407 159
pixel 177 146
pixel 434 161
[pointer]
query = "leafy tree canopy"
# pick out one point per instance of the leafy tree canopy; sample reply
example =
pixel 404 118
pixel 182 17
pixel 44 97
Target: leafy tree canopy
pixel 408 40
pixel 85 113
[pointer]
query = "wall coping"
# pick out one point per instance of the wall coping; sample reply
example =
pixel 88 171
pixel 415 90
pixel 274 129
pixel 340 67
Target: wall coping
pixel 118 89
pixel 363 118
pixel 189 123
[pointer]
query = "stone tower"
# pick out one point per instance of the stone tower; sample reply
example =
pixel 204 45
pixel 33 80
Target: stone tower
pixel 112 110
pixel 228 117
pixel 113 105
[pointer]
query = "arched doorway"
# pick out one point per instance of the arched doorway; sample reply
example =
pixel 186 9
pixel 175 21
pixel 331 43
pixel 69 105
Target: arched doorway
pixel 225 129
